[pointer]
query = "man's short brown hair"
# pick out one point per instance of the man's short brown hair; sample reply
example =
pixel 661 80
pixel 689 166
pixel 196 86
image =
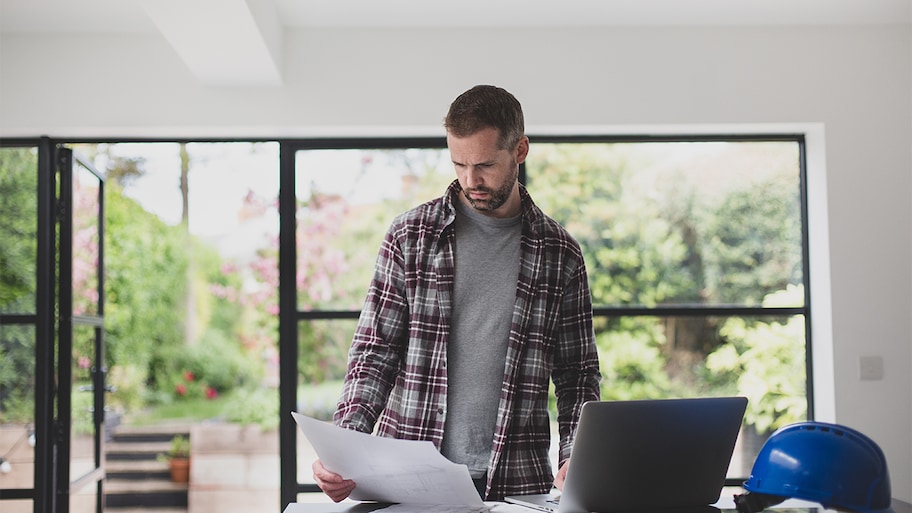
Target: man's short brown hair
pixel 486 106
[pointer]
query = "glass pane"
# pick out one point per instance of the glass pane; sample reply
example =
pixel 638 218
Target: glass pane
pixel 323 347
pixel 191 325
pixel 18 229
pixel 84 499
pixel 322 360
pixel 672 223
pixel 762 359
pixel 191 249
pixel 82 457
pixel 17 406
pixel 86 241
pixel 18 506
pixel 346 201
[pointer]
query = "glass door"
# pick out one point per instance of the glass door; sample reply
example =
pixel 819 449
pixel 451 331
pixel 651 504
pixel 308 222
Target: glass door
pixel 81 367
pixel 52 361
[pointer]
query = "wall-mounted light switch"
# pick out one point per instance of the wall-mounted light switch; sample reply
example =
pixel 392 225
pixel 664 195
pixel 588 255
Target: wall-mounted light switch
pixel 870 368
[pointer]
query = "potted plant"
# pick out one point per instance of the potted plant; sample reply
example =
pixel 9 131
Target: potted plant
pixel 178 458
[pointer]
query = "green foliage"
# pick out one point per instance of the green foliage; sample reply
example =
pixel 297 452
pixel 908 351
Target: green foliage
pixel 192 410
pixel 633 255
pixel 319 400
pixel 18 229
pixel 723 230
pixel 179 449
pixel 221 362
pixel 129 382
pixel 767 362
pixel 631 363
pixel 148 274
pixel 146 264
pixel 754 243
pixel 254 406
pixel 81 410
pixel 17 371
pixel 18 256
pixel 323 349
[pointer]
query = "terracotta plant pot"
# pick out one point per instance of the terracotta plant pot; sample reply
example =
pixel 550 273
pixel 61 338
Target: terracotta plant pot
pixel 180 470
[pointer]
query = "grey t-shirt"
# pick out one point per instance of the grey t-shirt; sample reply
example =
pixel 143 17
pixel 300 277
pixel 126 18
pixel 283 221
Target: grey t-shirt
pixel 487 267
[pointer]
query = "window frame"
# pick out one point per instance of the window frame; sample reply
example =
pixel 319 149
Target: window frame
pixel 288 324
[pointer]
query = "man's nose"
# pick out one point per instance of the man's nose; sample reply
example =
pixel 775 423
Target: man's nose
pixel 473 177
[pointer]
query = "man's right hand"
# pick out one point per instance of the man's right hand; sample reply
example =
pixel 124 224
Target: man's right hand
pixel 332 484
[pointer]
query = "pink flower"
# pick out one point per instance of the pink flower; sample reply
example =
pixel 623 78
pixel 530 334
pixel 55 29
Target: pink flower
pixel 188 376
pixel 181 389
pixel 211 393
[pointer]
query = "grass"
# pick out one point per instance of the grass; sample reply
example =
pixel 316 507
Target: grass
pixel 192 410
pixel 317 400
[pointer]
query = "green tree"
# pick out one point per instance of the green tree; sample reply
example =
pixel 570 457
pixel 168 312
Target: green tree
pixel 18 229
pixel 661 231
pixel 145 287
pixel 766 362
pixel 753 244
pixel 634 256
pixel 18 257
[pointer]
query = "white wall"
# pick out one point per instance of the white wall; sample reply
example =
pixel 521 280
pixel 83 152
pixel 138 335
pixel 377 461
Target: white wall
pixel 851 87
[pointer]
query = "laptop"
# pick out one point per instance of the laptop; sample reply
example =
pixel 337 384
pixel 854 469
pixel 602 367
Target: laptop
pixel 647 455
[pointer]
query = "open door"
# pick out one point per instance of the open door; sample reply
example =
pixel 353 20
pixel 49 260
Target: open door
pixel 81 369
pixel 52 358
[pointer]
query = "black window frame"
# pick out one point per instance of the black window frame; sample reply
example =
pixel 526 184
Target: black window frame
pixel 288 324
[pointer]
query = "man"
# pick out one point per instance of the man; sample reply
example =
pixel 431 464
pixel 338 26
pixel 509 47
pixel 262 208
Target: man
pixel 477 299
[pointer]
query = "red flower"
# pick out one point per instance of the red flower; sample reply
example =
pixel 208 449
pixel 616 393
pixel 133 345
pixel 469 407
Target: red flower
pixel 181 389
pixel 211 393
pixel 188 376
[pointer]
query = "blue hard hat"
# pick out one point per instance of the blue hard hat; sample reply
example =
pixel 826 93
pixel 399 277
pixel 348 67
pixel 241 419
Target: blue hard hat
pixel 830 464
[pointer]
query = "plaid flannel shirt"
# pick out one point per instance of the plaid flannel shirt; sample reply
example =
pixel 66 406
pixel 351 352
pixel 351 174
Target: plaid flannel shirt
pixel 397 372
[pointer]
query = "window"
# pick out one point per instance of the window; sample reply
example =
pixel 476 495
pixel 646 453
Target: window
pixel 695 248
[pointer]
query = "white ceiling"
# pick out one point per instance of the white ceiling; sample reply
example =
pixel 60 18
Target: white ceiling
pixel 238 42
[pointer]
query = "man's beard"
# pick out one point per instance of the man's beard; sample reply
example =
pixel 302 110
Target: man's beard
pixel 496 198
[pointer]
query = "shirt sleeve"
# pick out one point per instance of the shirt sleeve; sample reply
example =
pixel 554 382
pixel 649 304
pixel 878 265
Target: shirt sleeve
pixel 576 373
pixel 379 341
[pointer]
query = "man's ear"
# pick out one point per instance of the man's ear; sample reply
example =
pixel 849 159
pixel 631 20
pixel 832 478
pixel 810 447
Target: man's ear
pixel 522 149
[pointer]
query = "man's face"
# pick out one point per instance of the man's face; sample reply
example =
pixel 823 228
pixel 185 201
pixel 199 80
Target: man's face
pixel 488 175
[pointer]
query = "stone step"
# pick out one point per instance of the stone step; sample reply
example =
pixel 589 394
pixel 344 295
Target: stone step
pixel 123 466
pixel 141 451
pixel 152 499
pixel 140 509
pixel 151 433
pixel 147 486
pixel 133 470
pixel 136 480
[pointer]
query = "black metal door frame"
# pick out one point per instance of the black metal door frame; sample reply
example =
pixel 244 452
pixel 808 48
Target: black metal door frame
pixel 68 166
pixel 54 321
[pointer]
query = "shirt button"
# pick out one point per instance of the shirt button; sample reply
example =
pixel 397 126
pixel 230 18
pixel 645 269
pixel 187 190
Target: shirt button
pixel 440 411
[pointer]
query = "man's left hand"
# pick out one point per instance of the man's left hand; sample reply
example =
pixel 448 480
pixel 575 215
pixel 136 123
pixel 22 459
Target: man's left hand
pixel 561 476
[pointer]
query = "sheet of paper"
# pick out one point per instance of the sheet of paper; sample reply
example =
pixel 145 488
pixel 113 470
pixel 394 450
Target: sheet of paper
pixel 390 470
pixel 432 508
pixel 488 507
